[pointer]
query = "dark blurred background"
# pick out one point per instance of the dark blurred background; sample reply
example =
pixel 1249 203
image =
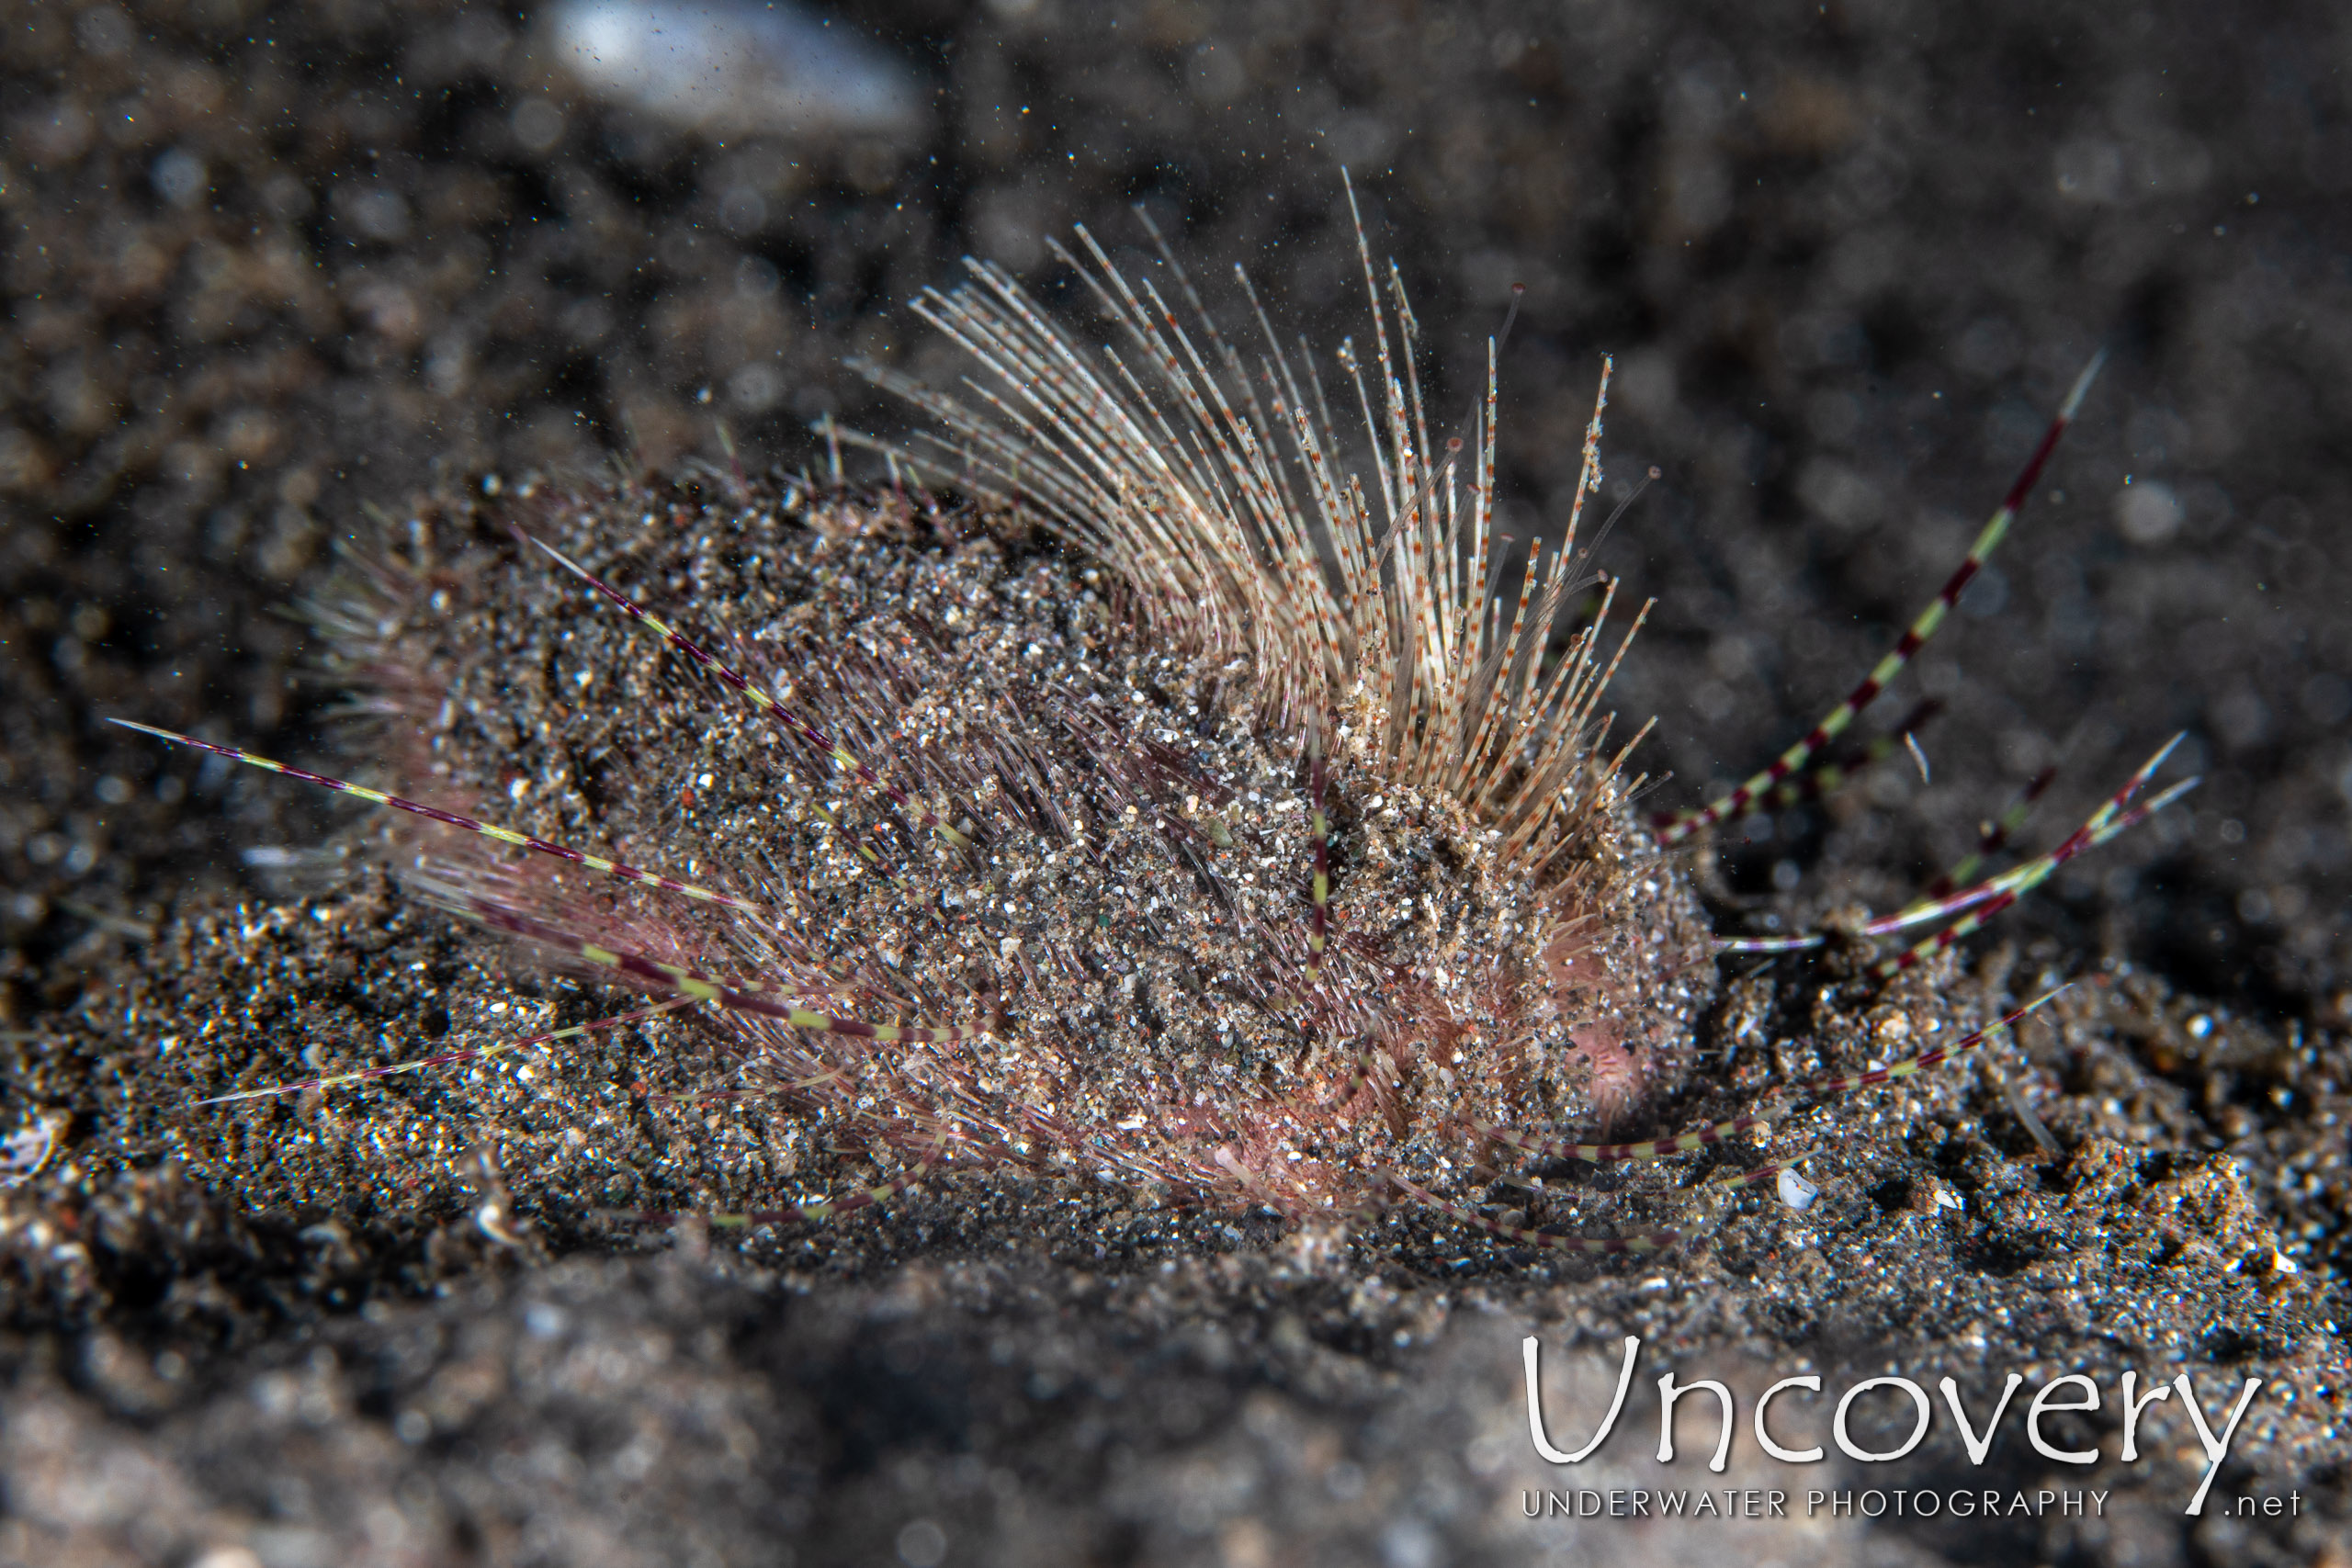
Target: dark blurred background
pixel 268 267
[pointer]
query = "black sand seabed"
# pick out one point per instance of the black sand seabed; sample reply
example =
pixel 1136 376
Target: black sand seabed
pixel 1847 257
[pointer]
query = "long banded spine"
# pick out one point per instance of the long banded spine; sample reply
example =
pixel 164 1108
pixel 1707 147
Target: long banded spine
pixel 620 870
pixel 2007 886
pixel 1826 773
pixel 2035 873
pixel 1318 930
pixel 2019 878
pixel 1930 1058
pixel 1913 638
pixel 450 1058
pixel 659 975
pixel 1991 838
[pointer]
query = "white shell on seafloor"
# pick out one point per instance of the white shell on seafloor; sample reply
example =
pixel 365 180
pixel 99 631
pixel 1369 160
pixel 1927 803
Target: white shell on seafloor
pixel 1796 1191
pixel 738 67
pixel 25 1151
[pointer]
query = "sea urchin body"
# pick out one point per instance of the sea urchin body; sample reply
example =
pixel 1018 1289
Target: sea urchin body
pixel 1187 810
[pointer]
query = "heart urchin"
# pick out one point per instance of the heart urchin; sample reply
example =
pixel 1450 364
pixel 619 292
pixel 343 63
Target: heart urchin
pixel 1185 811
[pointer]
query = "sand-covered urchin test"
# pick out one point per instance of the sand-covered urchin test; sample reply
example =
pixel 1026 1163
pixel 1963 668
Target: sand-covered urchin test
pixel 1210 804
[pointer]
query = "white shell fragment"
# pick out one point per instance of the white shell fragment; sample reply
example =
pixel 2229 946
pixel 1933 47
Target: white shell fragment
pixel 737 67
pixel 26 1150
pixel 1795 1190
